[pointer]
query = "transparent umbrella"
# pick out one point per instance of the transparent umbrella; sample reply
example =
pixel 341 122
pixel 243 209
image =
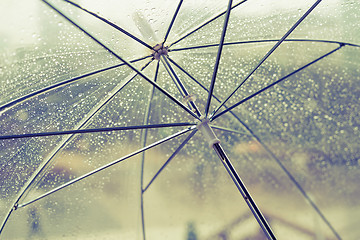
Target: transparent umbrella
pixel 157 119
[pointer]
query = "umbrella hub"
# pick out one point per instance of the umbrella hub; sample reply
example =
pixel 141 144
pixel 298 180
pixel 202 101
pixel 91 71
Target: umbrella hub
pixel 159 50
pixel 206 130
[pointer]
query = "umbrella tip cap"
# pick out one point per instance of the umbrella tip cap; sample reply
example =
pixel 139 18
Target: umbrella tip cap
pixel 206 130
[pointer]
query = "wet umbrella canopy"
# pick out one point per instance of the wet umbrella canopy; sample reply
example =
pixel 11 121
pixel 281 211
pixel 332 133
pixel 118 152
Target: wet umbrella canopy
pixel 157 119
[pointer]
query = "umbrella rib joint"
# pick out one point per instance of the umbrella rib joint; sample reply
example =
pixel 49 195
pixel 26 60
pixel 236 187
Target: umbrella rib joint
pixel 206 130
pixel 159 50
pixel 160 53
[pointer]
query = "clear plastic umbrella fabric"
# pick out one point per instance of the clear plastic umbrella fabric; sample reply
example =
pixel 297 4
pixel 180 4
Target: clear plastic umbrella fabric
pixel 157 119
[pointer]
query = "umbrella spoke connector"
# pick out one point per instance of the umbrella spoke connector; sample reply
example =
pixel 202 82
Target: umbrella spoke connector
pixel 160 53
pixel 159 50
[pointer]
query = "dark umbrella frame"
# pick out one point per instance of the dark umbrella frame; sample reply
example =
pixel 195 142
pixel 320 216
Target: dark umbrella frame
pixel 202 122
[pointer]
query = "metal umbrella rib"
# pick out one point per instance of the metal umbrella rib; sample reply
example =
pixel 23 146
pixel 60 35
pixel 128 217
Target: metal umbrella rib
pixel 61 84
pixel 225 129
pixel 144 135
pixel 104 167
pixel 82 124
pixel 297 184
pixel 172 21
pixel 276 82
pixel 123 60
pixel 270 52
pixel 87 118
pixel 218 56
pixel 95 130
pixel 204 24
pixel 110 23
pixel 180 85
pixel 217 147
pixel 263 41
pixel 169 159
pixel 66 140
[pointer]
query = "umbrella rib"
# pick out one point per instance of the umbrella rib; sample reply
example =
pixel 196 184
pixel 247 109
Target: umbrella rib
pixel 105 167
pixel 276 159
pixel 172 21
pixel 264 41
pixel 270 52
pixel 292 178
pixel 224 129
pixel 126 62
pixel 143 141
pixel 110 23
pixel 64 142
pixel 170 158
pixel 196 81
pixel 202 86
pixel 218 57
pixel 180 85
pixel 61 84
pixel 206 23
pixel 181 88
pixel 274 83
pixel 99 106
pixel 95 130
pixel 61 132
pixel 84 31
pixel 239 183
pixel 167 94
pixel 188 74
